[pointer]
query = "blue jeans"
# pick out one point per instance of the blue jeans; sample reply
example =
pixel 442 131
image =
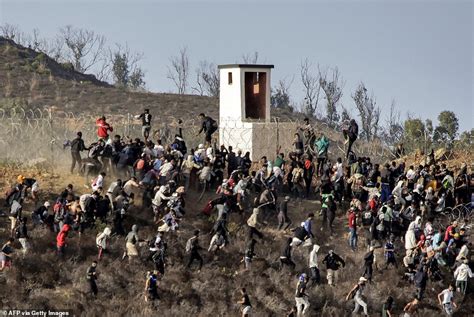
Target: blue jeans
pixel 352 238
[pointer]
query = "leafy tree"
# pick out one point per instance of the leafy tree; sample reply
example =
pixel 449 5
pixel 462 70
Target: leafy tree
pixel 125 69
pixel 447 129
pixel 466 140
pixel 369 112
pixel 414 134
pixel 280 97
pixel 136 79
pixel 120 69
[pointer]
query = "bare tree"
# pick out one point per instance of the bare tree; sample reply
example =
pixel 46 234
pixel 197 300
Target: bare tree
pixel 12 32
pixel 311 87
pixel 199 86
pixel 207 81
pixel 178 71
pixel 250 58
pixel 369 112
pixel 393 131
pixel 332 85
pixel 85 48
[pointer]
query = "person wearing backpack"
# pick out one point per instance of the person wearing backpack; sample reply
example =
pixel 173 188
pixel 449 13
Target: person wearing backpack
pixel 193 247
pixel 14 216
pixel 209 126
pixel 151 286
pixel 301 298
pixel 333 263
pixel 101 241
pixel 356 294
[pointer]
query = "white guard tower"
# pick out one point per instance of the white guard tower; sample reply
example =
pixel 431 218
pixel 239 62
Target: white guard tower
pixel 244 107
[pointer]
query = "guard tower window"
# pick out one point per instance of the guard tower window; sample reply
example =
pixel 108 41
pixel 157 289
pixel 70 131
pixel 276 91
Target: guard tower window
pixel 229 78
pixel 255 95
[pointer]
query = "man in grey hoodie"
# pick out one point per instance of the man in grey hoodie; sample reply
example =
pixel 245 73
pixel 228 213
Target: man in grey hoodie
pixel 131 241
pixel 313 265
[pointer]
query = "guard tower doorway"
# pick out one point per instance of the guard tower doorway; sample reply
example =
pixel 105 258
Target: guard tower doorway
pixel 255 95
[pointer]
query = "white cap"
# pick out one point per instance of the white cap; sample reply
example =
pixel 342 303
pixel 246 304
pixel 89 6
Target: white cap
pixel 46 204
pixel 362 279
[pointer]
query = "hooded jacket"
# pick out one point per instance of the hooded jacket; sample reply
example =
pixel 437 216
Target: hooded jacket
pixel 253 220
pixel 313 257
pixel 132 236
pixel 61 237
pixel 103 128
pixel 101 239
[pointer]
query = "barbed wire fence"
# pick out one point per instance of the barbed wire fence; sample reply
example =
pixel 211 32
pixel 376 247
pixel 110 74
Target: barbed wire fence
pixel 36 136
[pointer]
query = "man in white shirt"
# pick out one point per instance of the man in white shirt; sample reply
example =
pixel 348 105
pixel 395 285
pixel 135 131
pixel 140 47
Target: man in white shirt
pixel 447 303
pixel 98 182
pixel 129 185
pixel 159 149
pixel 461 275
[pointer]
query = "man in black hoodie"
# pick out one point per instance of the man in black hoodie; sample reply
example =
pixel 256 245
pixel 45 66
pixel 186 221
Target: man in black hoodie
pixel 333 263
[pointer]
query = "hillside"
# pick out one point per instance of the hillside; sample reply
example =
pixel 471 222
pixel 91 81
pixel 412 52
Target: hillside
pixel 34 80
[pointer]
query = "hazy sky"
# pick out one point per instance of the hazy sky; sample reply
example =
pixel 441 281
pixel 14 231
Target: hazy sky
pixel 419 53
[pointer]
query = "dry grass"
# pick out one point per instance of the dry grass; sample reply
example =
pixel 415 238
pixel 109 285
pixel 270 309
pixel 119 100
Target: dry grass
pixel 42 281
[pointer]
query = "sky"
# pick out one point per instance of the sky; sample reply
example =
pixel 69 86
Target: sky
pixel 418 53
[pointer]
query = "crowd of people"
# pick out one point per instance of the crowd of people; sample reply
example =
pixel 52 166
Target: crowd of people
pixel 390 207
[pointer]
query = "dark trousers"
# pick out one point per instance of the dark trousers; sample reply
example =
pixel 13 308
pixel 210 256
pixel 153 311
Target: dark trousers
pixel 349 145
pixel 319 166
pixel 286 261
pixel 93 286
pixel 254 231
pixel 315 276
pixel 368 270
pixel 76 158
pixel 195 256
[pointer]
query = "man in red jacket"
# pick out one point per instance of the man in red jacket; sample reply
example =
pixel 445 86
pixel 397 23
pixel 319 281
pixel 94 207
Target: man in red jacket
pixel 61 239
pixel 102 128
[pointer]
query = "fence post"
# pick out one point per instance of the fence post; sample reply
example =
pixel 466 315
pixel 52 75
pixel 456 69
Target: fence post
pixel 278 132
pixel 51 142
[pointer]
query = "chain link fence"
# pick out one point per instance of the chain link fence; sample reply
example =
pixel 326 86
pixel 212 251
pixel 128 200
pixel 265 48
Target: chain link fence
pixel 33 136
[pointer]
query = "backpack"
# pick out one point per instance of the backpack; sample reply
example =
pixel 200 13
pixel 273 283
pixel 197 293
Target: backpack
pixel 17 232
pixel 367 218
pixel 189 244
pixel 208 208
